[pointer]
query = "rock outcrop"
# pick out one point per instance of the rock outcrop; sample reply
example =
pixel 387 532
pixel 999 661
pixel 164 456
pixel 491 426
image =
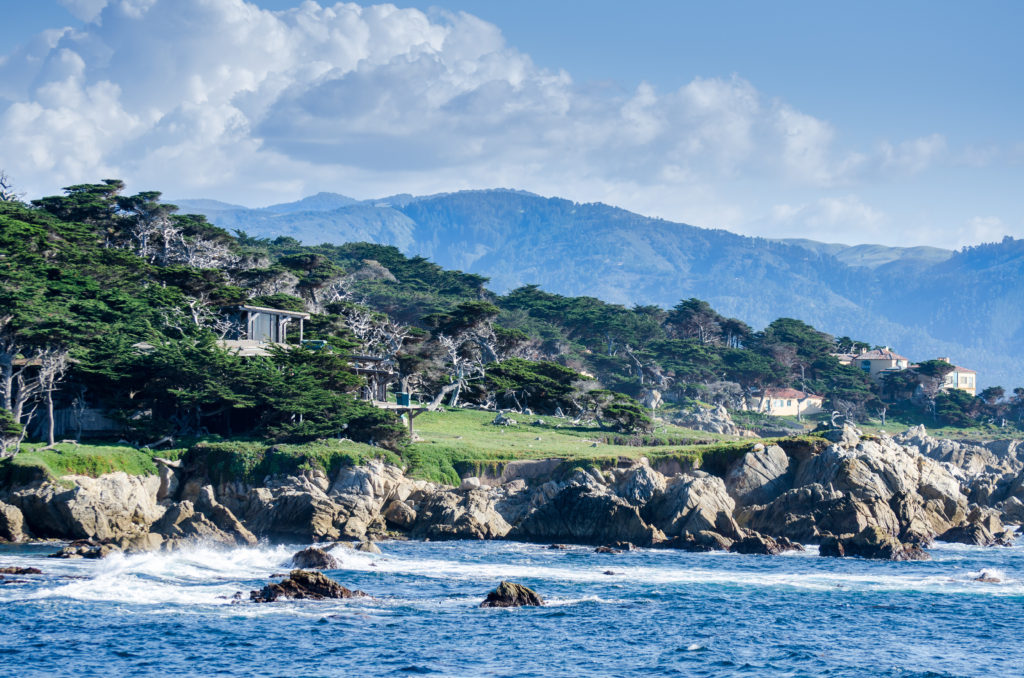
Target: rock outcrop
pixel 871 542
pixel 12 523
pixel 711 420
pixel 314 558
pixel 585 514
pixel 303 585
pixel 760 476
pixel 509 594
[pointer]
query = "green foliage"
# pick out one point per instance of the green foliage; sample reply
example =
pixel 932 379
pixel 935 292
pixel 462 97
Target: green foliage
pixel 540 385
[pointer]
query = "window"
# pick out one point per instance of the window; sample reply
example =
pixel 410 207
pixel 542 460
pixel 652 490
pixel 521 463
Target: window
pixel 789 403
pixel 865 365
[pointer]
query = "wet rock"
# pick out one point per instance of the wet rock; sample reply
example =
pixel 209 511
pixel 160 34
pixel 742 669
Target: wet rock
pixel 509 594
pixel 699 542
pixel 585 515
pixel 368 547
pixel 607 549
pixel 298 510
pixel 1013 511
pixel 760 544
pixel 988 577
pixel 12 523
pixel 314 558
pixel 303 585
pixel 182 522
pixel 871 542
pixel 559 547
pixel 20 570
pixel 85 548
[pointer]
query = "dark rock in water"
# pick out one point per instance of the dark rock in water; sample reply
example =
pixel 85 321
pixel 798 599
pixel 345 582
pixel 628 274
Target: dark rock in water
pixel 755 543
pixel 871 542
pixel 975 534
pixel 303 585
pixel 559 547
pixel 623 546
pixel 609 572
pixel 607 549
pixel 699 542
pixel 585 515
pixel 20 570
pixel 314 558
pixel 368 547
pixel 85 548
pixel 511 595
pixel 987 577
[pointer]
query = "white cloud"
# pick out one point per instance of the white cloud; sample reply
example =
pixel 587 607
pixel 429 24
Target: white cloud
pixel 86 10
pixel 846 219
pixel 220 98
pixel 982 229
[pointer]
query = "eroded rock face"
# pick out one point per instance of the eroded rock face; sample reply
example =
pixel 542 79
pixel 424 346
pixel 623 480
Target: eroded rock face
pixel 713 420
pixel 587 515
pixel 460 515
pixel 183 522
pixel 303 585
pixel 104 508
pixel 509 594
pixel 759 477
pixel 871 542
pixel 692 503
pixel 12 523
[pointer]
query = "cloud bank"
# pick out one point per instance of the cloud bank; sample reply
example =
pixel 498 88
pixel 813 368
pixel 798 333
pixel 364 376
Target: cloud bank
pixel 218 98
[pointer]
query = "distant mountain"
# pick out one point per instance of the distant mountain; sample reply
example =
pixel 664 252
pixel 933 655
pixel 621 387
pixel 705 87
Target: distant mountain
pixel 873 256
pixel 924 301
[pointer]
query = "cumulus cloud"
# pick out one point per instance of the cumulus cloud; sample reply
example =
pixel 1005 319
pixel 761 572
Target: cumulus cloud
pixel 221 98
pixel 846 219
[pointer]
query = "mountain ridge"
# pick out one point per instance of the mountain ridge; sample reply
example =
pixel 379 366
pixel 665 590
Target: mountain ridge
pixel 924 301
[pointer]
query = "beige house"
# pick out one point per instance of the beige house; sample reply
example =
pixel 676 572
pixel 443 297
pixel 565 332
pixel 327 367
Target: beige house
pixel 961 378
pixel 879 362
pixel 785 402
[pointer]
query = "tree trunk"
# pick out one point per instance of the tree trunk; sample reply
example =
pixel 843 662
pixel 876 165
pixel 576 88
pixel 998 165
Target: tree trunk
pixel 50 439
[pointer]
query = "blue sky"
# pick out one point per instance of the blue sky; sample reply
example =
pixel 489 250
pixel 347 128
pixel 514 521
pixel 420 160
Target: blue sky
pixel 864 122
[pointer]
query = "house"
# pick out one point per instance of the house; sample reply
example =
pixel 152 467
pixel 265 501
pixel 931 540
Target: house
pixel 960 378
pixel 879 362
pixel 785 402
pixel 254 327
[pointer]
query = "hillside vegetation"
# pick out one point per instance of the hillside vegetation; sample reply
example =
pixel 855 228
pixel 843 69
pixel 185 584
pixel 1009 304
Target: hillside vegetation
pixel 116 304
pixel 924 301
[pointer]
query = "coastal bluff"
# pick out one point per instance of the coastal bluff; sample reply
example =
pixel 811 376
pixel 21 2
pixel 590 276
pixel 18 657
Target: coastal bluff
pixel 896 492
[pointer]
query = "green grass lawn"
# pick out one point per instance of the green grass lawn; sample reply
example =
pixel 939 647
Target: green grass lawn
pixel 455 443
pixel 451 444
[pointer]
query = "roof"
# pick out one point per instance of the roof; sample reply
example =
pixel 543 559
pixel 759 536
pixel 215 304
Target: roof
pixel 787 393
pixel 963 370
pixel 880 354
pixel 275 311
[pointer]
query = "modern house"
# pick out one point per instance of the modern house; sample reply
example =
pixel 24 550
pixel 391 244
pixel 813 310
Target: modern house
pixel 254 327
pixel 785 402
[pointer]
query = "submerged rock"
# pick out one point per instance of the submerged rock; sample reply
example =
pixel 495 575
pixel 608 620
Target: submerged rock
pixel 368 547
pixel 759 544
pixel 303 585
pixel 20 570
pixel 871 542
pixel 509 594
pixel 85 548
pixel 315 558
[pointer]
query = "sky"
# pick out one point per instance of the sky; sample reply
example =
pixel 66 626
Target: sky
pixel 868 122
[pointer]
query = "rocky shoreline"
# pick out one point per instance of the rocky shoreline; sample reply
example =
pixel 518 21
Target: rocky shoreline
pixel 854 495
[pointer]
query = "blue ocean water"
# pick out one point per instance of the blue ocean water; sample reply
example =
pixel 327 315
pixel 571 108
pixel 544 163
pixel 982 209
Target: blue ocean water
pixel 659 613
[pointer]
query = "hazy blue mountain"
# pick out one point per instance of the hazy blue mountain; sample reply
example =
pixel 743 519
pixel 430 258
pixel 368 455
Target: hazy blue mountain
pixel 926 302
pixel 315 203
pixel 873 256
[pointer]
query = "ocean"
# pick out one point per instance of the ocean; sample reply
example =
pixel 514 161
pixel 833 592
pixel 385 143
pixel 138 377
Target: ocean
pixel 640 613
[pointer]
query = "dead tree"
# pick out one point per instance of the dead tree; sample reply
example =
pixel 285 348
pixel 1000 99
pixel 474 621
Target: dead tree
pixel 53 366
pixel 7 193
